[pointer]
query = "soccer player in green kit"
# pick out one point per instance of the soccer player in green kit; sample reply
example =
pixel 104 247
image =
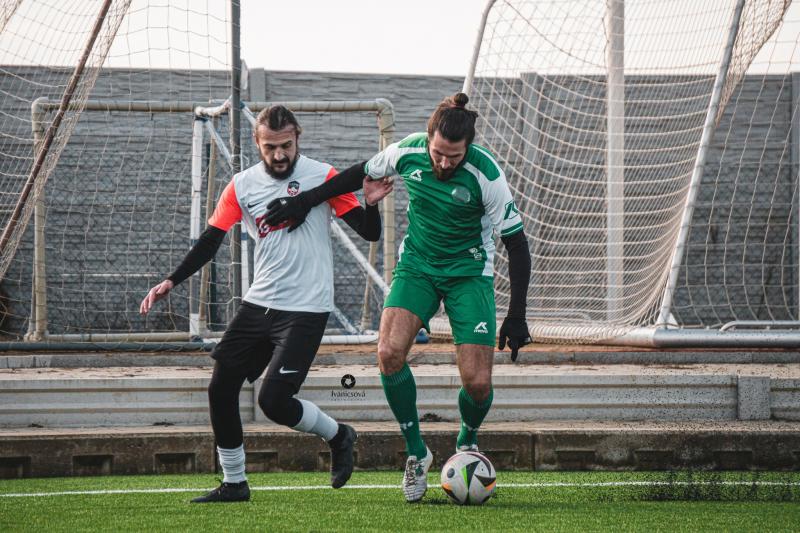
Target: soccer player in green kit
pixel 458 200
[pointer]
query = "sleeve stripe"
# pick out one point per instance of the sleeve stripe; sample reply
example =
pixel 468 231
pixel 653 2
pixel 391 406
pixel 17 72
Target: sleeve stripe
pixel 513 229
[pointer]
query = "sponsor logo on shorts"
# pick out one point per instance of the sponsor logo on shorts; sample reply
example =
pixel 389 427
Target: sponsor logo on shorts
pixel 481 328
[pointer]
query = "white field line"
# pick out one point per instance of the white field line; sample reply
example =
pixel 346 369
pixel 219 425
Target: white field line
pixel 543 485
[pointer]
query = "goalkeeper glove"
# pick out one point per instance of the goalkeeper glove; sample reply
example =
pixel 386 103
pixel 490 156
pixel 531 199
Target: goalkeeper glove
pixel 515 331
pixel 294 208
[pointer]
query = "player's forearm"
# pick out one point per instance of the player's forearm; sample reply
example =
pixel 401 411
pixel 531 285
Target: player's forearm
pixel 365 221
pixel 349 180
pixel 201 253
pixel 519 272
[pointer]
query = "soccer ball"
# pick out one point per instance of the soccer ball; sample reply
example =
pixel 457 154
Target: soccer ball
pixel 468 478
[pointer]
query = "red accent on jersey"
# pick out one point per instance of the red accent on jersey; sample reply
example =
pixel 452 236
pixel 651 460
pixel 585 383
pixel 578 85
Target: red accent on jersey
pixel 343 203
pixel 228 212
pixel 264 229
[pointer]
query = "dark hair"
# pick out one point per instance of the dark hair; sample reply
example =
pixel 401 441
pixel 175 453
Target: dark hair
pixel 277 117
pixel 453 120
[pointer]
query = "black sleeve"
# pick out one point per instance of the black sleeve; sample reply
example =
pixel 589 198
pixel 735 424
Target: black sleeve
pixel 348 180
pixel 201 253
pixel 519 272
pixel 365 221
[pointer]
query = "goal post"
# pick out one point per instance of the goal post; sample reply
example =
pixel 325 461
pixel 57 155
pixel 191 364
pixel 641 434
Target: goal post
pixel 648 146
pixel 203 136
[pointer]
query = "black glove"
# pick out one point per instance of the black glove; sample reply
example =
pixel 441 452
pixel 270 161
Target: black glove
pixel 294 208
pixel 516 331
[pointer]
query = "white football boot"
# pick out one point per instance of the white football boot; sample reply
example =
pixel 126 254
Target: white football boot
pixel 415 479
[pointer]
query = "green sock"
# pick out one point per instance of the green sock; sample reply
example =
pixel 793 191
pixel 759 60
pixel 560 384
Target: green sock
pixel 472 415
pixel 401 393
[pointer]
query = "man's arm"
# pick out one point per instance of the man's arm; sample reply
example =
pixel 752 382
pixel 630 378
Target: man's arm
pixel 226 214
pixel 201 253
pixel 366 221
pixel 515 326
pixel 296 208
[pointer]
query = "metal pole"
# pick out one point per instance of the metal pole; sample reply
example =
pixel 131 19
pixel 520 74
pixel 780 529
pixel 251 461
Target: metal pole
pixel 386 128
pixel 194 221
pixel 38 327
pixel 236 151
pixel 795 136
pixel 477 48
pixel 615 158
pixel 697 174
pixel 205 273
pixel 53 129
pixel 366 315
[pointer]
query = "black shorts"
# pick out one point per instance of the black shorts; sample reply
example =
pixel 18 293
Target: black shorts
pixel 286 341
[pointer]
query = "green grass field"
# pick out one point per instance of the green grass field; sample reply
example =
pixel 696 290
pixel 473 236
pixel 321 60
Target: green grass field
pixel 524 501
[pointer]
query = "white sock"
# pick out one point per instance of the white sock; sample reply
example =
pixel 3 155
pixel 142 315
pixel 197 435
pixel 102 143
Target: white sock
pixel 232 462
pixel 316 422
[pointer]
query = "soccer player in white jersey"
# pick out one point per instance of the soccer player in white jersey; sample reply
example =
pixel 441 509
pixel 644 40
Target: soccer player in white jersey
pixel 458 200
pixel 282 318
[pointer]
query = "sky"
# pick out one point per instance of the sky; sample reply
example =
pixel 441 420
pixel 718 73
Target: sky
pixel 417 37
pixel 406 37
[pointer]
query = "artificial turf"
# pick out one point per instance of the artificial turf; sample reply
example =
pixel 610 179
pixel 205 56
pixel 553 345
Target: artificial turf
pixel 558 501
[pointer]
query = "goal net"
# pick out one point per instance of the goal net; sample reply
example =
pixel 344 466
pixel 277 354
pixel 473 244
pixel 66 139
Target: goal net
pixel 109 213
pixel 651 147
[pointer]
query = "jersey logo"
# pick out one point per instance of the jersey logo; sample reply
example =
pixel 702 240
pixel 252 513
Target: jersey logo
pixel 461 194
pixel 293 188
pixel 251 205
pixel 415 176
pixel 481 328
pixel 511 210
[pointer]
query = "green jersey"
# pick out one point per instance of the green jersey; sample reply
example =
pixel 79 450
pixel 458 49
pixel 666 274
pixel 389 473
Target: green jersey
pixel 451 224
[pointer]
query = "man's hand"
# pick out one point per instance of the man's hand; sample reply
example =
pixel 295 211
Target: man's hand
pixel 159 292
pixel 294 208
pixel 376 190
pixel 515 330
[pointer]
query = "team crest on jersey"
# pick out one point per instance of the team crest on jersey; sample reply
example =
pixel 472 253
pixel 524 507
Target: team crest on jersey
pixel 293 188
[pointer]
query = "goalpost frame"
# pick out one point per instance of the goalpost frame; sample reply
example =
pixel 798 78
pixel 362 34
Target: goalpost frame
pixel 37 330
pixel 788 333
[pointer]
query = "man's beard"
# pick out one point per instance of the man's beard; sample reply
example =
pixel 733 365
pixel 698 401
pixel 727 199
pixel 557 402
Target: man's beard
pixel 443 174
pixel 283 174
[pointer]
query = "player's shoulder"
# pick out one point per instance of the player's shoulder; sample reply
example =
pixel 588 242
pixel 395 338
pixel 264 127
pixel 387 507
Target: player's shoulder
pixel 482 160
pixel 307 168
pixel 415 140
pixel 253 172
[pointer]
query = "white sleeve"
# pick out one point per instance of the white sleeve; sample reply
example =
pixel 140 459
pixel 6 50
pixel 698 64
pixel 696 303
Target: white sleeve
pixel 500 207
pixel 384 163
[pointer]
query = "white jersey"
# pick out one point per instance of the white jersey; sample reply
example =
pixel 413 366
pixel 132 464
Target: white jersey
pixel 293 271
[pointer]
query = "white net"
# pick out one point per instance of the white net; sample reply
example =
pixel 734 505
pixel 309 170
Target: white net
pixel 115 192
pixel 596 110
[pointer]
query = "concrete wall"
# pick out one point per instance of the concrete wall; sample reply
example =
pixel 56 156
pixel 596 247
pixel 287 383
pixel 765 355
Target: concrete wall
pixel 113 231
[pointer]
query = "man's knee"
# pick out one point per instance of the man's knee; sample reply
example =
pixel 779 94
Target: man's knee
pixel 390 358
pixel 278 403
pixel 224 384
pixel 478 387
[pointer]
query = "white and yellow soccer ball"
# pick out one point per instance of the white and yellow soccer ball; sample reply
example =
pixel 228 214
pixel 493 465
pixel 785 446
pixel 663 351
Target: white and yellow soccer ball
pixel 469 478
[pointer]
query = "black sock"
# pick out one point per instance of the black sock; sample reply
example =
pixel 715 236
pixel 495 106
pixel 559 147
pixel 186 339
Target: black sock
pixel 337 439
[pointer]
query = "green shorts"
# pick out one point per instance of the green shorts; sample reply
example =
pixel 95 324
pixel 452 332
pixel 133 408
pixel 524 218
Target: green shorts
pixel 468 302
